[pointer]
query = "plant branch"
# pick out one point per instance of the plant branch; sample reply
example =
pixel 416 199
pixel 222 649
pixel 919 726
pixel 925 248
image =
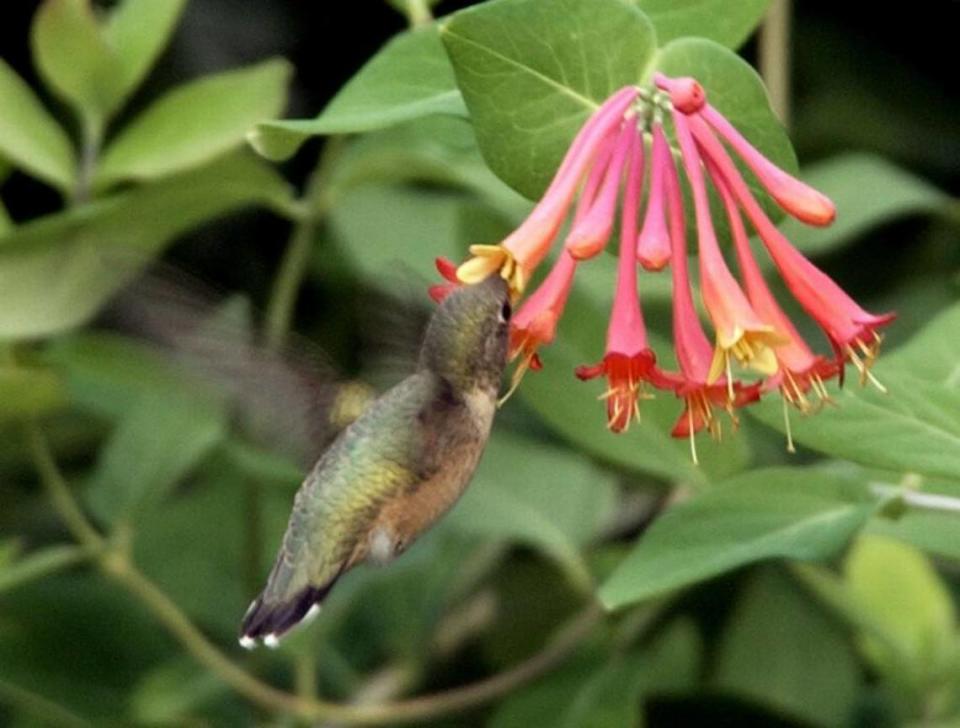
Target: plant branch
pixel 774 61
pixel 293 267
pixel 917 499
pixel 58 491
pixel 415 709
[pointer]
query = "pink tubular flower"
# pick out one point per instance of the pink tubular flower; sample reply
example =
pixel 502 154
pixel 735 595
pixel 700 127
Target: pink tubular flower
pixel 852 330
pixel 740 332
pixel 590 233
pixel 800 369
pixel 653 242
pixel 535 322
pixel 521 252
pixel 795 197
pixel 628 361
pixel 694 352
pixel 686 94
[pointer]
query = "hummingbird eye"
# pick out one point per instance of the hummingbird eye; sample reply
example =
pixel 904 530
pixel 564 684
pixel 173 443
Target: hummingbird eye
pixel 505 312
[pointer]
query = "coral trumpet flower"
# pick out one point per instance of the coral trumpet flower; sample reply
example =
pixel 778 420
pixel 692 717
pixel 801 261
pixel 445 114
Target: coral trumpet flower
pixel 852 330
pixel 628 362
pixel 516 257
pixel 795 197
pixel 740 332
pixel 653 242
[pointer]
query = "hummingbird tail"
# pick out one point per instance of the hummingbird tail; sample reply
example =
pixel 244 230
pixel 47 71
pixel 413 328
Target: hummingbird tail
pixel 269 618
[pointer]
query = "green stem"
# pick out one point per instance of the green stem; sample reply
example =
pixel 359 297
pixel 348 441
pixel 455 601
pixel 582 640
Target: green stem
pixel 89 156
pixel 774 61
pixel 118 566
pixel 418 13
pixel 42 564
pixel 309 708
pixel 936 502
pixel 293 267
pixel 44 710
pixel 59 492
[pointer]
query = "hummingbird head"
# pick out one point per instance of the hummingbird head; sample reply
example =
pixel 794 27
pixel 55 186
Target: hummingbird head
pixel 466 339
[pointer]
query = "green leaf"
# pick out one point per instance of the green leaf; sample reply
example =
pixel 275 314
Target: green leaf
pixel 547 497
pixel 106 373
pixel 604 690
pixel 933 354
pixel 868 191
pixel 137 31
pixel 195 123
pixel 38 565
pixel 408 78
pixel 168 693
pixel 383 227
pixel 728 22
pixel 30 137
pixel 159 441
pixel 915 427
pixel 67 255
pixel 72 56
pixel 779 650
pixel 532 71
pixel 897 589
pixel 791 513
pixel 29 392
pixel 933 532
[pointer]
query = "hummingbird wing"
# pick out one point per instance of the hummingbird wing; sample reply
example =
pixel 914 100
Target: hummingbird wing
pixel 288 398
pixel 376 458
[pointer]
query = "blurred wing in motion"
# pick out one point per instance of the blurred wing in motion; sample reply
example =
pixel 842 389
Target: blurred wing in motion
pixel 288 399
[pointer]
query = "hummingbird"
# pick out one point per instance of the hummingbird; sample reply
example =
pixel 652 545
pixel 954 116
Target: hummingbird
pixel 397 468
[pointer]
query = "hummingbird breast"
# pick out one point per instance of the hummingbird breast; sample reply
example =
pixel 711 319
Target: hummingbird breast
pixel 455 430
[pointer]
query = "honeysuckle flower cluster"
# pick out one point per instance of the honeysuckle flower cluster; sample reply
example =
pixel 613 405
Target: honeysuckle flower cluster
pixel 607 164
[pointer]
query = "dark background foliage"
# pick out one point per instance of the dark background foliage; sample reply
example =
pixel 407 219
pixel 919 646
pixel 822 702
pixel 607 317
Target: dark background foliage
pixel 865 79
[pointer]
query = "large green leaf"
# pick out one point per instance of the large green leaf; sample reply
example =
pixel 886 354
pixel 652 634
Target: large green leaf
pixel 106 374
pixel 603 690
pixel 933 531
pixel 779 650
pixel 73 57
pixel 195 123
pixel 933 354
pixel 547 497
pixel 897 589
pixel 29 137
pixel 408 78
pixel 791 513
pixel 728 22
pixel 868 192
pixel 158 441
pixel 532 71
pixel 913 428
pixel 67 256
pixel 137 31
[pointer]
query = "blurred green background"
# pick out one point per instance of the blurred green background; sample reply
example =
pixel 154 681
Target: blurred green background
pixel 779 590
